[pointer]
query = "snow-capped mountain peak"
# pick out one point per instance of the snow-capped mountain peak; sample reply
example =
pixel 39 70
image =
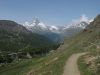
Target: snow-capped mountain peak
pixel 41 24
pixel 37 26
pixel 26 24
pixel 35 23
pixel 84 18
pixel 82 22
pixel 56 33
pixel 53 28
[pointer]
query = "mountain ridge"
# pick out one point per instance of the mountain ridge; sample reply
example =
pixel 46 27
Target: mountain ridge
pixel 57 33
pixel 11 32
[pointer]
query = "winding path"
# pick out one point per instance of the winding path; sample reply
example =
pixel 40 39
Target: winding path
pixel 71 67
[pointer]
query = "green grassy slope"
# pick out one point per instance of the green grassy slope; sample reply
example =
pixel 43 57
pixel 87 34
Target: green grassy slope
pixel 15 37
pixel 93 46
pixel 88 40
pixel 54 62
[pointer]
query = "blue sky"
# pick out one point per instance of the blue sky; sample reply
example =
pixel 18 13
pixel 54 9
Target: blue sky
pixel 54 12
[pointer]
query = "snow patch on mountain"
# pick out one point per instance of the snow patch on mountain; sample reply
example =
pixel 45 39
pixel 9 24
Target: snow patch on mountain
pixel 82 22
pixel 39 26
pixel 53 28
pixel 56 33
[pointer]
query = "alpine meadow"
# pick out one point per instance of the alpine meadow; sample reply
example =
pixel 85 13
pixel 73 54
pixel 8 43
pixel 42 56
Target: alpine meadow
pixel 49 37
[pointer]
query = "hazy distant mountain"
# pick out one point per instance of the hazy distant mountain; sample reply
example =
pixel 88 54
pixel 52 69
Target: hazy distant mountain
pixel 74 29
pixel 51 32
pixel 75 26
pixel 56 33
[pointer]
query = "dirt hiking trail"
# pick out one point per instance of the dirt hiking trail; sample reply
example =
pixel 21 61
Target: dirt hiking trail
pixel 71 67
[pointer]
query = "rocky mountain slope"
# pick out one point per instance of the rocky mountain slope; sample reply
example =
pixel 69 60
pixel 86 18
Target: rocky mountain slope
pixel 14 37
pixel 57 33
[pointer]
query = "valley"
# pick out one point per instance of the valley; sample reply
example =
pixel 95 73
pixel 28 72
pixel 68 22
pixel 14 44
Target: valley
pixel 26 52
pixel 49 37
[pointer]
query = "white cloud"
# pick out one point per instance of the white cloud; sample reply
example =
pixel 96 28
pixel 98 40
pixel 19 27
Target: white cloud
pixel 83 18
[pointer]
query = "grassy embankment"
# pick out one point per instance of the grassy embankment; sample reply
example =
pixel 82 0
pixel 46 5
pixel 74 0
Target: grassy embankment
pixel 52 64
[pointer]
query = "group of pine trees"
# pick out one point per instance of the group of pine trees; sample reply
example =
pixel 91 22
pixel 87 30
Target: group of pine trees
pixel 28 52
